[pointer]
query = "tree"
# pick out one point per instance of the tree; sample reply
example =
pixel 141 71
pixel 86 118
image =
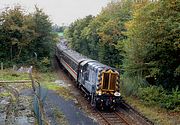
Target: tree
pixel 101 37
pixel 25 36
pixel 152 48
pixel 16 35
pixel 75 35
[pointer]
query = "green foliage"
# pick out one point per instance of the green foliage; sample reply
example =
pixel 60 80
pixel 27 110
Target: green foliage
pixel 42 43
pixel 56 28
pixel 153 41
pixel 75 37
pixel 15 33
pixel 154 95
pixel 99 37
pixel 11 75
pixel 141 38
pixel 130 85
pixel 25 38
pixel 172 100
pixel 44 64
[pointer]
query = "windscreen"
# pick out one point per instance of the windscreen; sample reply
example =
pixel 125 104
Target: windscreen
pixel 113 81
pixel 105 81
pixel 109 81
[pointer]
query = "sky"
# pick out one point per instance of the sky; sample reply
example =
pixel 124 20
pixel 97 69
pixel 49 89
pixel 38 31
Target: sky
pixel 61 12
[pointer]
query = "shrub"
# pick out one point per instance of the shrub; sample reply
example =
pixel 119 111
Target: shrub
pixel 130 85
pixel 44 64
pixel 151 95
pixel 154 95
pixel 172 100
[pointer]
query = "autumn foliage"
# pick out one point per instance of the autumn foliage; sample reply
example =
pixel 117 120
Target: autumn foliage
pixel 25 38
pixel 141 38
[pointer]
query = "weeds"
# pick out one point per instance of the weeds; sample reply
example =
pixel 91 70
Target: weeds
pixel 154 95
pixel 48 81
pixel 60 118
pixel 151 95
pixel 130 85
pixel 12 75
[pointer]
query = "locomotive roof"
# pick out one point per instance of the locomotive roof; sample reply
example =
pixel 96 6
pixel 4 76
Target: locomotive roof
pixel 95 65
pixel 77 57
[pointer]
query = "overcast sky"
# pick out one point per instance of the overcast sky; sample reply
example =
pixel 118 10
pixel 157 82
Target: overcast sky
pixel 61 11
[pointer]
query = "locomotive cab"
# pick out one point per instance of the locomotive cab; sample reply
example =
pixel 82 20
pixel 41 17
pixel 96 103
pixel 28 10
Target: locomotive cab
pixel 85 79
pixel 100 83
pixel 108 95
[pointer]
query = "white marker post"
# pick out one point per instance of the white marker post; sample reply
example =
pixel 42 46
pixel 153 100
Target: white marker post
pixel 1 65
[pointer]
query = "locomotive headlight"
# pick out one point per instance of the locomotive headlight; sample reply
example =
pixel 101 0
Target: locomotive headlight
pixel 117 94
pixel 99 93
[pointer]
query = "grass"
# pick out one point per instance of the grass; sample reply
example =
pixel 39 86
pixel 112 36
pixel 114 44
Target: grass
pixel 10 75
pixel 148 101
pixel 59 116
pixel 156 114
pixel 4 94
pixel 48 81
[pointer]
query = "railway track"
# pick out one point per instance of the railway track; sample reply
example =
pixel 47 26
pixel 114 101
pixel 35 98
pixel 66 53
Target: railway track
pixel 136 116
pixel 124 115
pixel 113 118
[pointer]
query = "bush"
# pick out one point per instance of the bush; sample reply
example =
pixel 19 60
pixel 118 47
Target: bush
pixel 130 85
pixel 44 64
pixel 154 95
pixel 172 100
pixel 151 95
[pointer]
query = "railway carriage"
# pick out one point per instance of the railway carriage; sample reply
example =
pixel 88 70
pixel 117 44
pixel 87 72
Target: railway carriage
pixel 99 82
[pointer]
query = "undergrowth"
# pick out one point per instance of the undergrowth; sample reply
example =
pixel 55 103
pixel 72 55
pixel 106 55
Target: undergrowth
pixel 9 75
pixel 150 94
pixel 154 95
pixel 48 79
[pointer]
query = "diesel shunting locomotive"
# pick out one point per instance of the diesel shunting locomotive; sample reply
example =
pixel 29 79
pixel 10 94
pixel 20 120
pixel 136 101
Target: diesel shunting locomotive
pixel 99 82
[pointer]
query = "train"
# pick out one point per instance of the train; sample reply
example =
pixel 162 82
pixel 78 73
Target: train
pixel 99 82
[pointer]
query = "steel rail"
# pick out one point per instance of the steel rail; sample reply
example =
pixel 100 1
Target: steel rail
pixel 104 118
pixel 137 114
pixel 123 119
pixel 116 116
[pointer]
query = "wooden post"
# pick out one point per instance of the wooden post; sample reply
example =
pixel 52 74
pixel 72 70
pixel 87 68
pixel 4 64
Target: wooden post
pixel 30 76
pixel 1 65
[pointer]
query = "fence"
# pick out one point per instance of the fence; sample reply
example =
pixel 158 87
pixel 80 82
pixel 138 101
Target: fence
pixel 39 93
